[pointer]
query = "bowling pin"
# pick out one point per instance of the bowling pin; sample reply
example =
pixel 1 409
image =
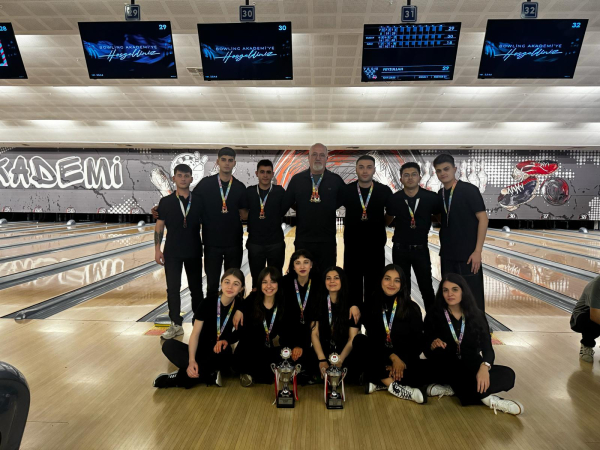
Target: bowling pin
pixel 434 183
pixel 160 180
pixel 473 178
pixel 483 177
pixel 463 172
pixel 426 176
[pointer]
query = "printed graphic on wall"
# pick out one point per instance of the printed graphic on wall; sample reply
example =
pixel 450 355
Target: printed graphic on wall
pixel 515 185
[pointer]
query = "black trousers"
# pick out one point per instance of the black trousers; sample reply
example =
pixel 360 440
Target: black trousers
pixel 462 376
pixel 255 359
pixel 363 265
pixel 475 281
pixel 355 362
pixel 590 331
pixel 420 261
pixel 193 270
pixel 417 373
pixel 208 361
pixel 324 253
pixel 214 259
pixel 260 256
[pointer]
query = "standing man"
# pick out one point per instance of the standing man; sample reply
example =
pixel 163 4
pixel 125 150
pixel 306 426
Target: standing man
pixel 413 207
pixel 464 226
pixel 316 193
pixel 183 248
pixel 265 244
pixel 364 232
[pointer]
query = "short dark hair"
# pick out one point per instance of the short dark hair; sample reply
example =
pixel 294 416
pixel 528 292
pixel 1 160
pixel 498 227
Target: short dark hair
pixel 264 163
pixel 183 168
pixel 410 165
pixel 443 158
pixel 226 151
pixel 365 157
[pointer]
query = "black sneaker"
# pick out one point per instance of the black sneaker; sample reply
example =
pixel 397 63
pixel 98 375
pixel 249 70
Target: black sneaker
pixel 165 380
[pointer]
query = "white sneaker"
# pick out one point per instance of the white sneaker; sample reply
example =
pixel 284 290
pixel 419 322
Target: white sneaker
pixel 172 331
pixel 219 379
pixel 371 387
pixel 586 354
pixel 439 390
pixel 246 380
pixel 406 392
pixel 506 406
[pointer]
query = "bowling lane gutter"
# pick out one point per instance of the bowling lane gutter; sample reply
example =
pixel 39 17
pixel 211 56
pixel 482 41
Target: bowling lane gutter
pixel 53 227
pixel 70 247
pixel 576 234
pixel 562 241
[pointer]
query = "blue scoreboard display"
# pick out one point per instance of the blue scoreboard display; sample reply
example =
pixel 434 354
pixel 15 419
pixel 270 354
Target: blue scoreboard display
pixel 11 63
pixel 409 52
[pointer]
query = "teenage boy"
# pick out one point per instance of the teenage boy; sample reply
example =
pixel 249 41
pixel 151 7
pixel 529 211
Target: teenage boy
pixel 464 226
pixel 180 214
pixel 413 207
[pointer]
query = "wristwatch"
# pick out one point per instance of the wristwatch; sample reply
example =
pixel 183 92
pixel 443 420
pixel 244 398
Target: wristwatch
pixel 489 366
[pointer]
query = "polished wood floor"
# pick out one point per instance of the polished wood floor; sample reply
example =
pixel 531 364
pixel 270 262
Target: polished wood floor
pixel 90 370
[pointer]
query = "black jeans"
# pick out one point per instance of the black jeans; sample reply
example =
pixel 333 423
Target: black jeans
pixel 363 265
pixel 324 253
pixel 416 374
pixel 260 256
pixel 420 261
pixel 214 259
pixel 193 270
pixel 590 331
pixel 355 362
pixel 475 281
pixel 255 359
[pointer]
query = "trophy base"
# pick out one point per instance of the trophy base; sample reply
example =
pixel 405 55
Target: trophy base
pixel 335 403
pixel 285 402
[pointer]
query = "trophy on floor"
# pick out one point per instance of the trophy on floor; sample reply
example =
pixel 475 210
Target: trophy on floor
pixel 285 374
pixel 334 379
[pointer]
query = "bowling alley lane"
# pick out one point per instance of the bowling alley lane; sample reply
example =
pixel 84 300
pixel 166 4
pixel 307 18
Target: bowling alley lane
pixel 43 229
pixel 59 233
pixel 58 244
pixel 567 236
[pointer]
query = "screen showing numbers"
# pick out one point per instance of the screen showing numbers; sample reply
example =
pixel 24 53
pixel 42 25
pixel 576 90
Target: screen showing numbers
pixel 409 52
pixel 11 63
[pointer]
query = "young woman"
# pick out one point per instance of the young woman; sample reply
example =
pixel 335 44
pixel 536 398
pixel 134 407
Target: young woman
pixel 265 332
pixel 333 331
pixel 209 350
pixel 460 348
pixel 395 328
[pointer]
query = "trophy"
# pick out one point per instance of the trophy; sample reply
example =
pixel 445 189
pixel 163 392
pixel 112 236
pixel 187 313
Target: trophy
pixel 334 378
pixel 284 374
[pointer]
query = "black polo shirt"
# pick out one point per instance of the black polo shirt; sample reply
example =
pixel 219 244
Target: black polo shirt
pixel 458 236
pixel 315 221
pixel 221 230
pixel 429 203
pixel 181 242
pixel 265 231
pixel 371 231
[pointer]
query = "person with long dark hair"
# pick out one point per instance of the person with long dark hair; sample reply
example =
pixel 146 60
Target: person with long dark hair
pixel 209 350
pixel 333 331
pixel 394 325
pixel 459 345
pixel 266 330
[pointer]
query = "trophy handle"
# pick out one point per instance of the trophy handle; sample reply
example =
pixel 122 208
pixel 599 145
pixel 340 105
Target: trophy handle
pixel 326 384
pixel 274 367
pixel 344 373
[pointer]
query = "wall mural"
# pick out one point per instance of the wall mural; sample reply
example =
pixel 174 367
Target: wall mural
pixel 515 184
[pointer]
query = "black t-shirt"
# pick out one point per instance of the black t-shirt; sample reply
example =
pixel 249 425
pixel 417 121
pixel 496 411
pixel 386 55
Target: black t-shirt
pixel 268 230
pixel 340 335
pixel 253 330
pixel 429 204
pixel 292 308
pixel 315 221
pixel 221 230
pixel 371 231
pixel 181 242
pixel 458 236
pixel 207 313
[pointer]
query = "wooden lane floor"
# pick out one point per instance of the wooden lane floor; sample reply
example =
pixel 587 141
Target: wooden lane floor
pixel 570 238
pixel 18 225
pixel 58 244
pixel 35 262
pixel 57 234
pixel 529 271
pixel 43 229
pixel 28 294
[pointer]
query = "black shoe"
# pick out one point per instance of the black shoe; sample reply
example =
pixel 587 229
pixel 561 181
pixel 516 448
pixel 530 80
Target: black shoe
pixel 166 380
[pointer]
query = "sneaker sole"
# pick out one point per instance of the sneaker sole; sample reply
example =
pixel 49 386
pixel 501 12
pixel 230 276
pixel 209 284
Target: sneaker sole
pixel 587 359
pixel 521 408
pixel 176 334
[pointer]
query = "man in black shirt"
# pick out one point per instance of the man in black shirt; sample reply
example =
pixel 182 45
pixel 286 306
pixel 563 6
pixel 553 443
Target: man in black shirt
pixel 265 242
pixel 364 231
pixel 317 194
pixel 180 212
pixel 413 207
pixel 464 226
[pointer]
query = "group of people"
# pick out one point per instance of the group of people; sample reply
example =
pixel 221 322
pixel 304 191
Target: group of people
pixel 318 308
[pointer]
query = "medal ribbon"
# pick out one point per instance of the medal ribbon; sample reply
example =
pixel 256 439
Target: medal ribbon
pixel 363 203
pixel 263 203
pixel 268 330
pixel 388 328
pixel 315 187
pixel 187 210
pixel 224 197
pixel 462 330
pixel 449 201
pixel 219 327
pixel 413 223
pixel 301 304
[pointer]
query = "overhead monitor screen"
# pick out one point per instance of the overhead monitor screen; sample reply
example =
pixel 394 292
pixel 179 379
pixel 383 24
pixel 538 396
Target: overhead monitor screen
pixel 128 49
pixel 531 48
pixel 246 51
pixel 11 64
pixel 409 52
